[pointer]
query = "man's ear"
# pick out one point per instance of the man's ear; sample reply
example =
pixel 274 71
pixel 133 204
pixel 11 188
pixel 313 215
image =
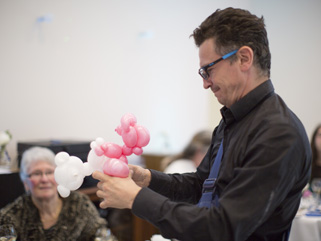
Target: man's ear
pixel 246 56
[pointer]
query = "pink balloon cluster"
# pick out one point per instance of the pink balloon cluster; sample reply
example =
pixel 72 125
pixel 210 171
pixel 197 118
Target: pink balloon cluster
pixel 135 137
pixel 103 156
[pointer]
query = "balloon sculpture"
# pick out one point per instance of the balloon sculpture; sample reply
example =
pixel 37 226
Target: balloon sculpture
pixel 104 156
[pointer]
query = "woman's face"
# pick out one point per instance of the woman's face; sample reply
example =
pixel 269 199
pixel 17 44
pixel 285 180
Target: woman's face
pixel 41 181
pixel 317 140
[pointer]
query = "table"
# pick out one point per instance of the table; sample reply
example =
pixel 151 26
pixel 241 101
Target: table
pixel 306 228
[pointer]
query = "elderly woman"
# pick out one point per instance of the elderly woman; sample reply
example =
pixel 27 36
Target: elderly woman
pixel 41 214
pixel 316 153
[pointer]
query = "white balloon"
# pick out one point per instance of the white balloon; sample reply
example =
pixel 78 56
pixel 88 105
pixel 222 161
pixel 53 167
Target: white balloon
pixel 69 173
pixel 61 158
pixel 98 142
pixel 64 192
pixel 88 169
pixel 96 162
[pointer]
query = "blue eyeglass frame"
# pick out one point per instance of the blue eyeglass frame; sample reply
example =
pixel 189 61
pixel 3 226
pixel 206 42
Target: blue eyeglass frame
pixel 203 71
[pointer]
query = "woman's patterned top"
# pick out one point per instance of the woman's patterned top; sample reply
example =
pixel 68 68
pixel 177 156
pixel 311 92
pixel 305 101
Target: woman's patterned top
pixel 78 219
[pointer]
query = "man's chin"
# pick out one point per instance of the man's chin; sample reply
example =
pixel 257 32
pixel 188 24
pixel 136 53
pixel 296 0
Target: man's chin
pixel 219 99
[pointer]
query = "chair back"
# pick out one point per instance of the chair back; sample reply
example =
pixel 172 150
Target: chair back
pixel 11 187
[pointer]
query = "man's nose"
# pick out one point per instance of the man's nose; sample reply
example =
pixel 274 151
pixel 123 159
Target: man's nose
pixel 206 83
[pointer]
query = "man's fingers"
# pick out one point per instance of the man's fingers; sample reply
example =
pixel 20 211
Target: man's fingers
pixel 103 204
pixel 100 194
pixel 131 172
pixel 98 175
pixel 100 185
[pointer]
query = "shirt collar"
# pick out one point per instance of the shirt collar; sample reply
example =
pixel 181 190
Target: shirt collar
pixel 242 107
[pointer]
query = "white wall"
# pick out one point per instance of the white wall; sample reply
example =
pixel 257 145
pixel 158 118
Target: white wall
pixel 75 75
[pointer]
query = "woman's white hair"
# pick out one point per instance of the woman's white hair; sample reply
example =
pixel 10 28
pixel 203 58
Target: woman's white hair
pixel 34 155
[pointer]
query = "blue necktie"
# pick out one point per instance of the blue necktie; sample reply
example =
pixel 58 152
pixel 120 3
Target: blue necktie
pixel 208 199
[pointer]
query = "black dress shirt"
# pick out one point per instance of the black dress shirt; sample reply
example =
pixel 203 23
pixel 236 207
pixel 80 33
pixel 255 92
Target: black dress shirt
pixel 265 165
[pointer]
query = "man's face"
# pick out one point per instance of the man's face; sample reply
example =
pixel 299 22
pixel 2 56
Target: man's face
pixel 225 79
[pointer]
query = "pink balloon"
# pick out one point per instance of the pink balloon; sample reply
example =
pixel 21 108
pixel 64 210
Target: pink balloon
pixel 116 168
pixel 119 130
pixel 99 151
pixel 123 159
pixel 137 151
pixel 143 136
pixel 127 150
pixel 111 150
pixel 127 120
pixel 134 136
pixel 130 137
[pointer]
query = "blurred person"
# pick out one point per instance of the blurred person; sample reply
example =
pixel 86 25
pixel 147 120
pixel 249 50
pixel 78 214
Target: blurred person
pixel 191 156
pixel 316 153
pixel 248 186
pixel 41 214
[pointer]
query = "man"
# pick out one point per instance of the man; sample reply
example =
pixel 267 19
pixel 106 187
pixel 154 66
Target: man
pixel 266 155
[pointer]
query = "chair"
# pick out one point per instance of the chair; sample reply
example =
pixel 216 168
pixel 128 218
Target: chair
pixel 11 187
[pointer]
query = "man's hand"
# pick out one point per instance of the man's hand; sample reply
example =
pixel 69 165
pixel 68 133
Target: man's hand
pixel 140 175
pixel 116 192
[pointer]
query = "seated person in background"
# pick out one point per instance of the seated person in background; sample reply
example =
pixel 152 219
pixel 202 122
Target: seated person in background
pixel 316 153
pixel 41 214
pixel 192 155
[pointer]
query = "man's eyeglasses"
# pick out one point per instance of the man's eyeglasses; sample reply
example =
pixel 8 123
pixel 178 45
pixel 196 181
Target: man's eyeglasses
pixel 38 175
pixel 203 71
